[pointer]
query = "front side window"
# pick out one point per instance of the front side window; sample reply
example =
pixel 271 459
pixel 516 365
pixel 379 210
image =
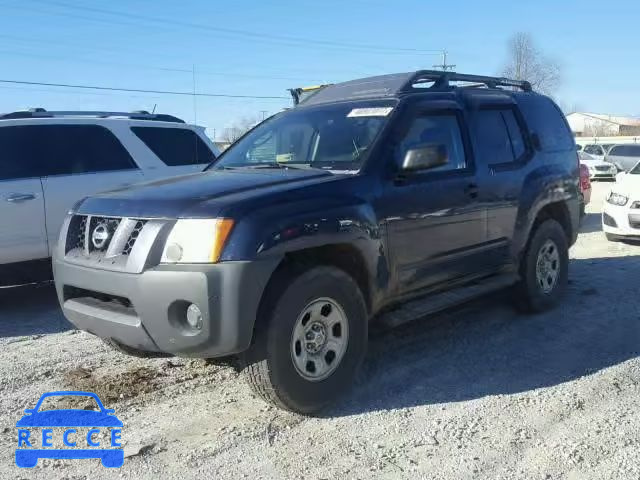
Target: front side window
pixel 333 137
pixel 175 146
pixel 436 130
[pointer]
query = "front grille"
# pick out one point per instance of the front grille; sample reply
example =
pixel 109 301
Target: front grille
pixel 93 236
pixel 603 168
pixel 106 227
pixel 634 221
pixel 133 236
pixel 635 205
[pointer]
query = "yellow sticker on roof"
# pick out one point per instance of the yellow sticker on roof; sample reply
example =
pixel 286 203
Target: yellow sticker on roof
pixel 370 112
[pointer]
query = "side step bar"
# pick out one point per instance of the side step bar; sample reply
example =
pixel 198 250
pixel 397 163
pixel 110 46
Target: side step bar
pixel 437 302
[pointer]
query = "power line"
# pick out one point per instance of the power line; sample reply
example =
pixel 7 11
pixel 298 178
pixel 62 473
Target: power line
pixel 244 33
pixel 140 90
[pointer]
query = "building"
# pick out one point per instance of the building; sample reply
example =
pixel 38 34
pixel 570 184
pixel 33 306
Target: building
pixel 597 125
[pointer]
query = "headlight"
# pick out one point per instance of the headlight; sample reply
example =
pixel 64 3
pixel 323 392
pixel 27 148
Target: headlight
pixel 617 199
pixel 197 240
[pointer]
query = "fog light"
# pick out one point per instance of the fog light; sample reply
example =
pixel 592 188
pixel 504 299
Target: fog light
pixel 173 253
pixel 194 317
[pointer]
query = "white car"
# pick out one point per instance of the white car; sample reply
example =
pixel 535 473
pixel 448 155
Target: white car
pixel 598 169
pixel 597 150
pixel 50 160
pixel 621 212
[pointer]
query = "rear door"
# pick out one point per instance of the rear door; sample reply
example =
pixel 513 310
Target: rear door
pixel 81 160
pixel 23 233
pixel 501 152
pixel 178 150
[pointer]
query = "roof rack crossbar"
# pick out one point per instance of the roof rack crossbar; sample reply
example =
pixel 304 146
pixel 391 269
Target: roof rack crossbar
pixel 42 113
pixel 442 80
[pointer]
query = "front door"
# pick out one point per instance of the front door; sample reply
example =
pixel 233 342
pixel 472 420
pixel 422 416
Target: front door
pixel 435 223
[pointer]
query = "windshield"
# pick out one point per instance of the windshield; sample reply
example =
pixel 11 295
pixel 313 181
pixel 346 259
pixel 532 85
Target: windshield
pixel 333 137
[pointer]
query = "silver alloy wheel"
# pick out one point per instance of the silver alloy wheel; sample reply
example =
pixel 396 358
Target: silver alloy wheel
pixel 319 339
pixel 548 266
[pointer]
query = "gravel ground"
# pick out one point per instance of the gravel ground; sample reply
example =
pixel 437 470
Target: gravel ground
pixel 479 392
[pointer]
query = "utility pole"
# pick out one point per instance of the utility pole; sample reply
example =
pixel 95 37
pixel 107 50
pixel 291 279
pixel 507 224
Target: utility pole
pixel 195 100
pixel 264 114
pixel 445 66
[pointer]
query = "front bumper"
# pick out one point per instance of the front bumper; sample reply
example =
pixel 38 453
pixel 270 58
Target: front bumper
pixel 623 222
pixel 146 311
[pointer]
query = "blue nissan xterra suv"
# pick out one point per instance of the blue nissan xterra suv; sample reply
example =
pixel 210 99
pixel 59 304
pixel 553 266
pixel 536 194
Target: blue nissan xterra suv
pixel 385 198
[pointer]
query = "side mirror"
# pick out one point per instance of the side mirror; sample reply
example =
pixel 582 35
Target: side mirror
pixel 424 158
pixel 29 410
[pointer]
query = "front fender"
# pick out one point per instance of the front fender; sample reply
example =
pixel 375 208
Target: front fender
pixel 279 230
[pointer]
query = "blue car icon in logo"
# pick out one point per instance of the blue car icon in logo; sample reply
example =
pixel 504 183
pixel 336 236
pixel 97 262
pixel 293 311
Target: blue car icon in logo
pixel 28 452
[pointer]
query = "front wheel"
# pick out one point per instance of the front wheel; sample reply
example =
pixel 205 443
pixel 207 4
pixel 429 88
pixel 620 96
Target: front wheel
pixel 544 268
pixel 308 348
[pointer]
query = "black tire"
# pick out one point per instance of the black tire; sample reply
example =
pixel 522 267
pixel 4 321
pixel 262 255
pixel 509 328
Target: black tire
pixel 530 296
pixel 268 365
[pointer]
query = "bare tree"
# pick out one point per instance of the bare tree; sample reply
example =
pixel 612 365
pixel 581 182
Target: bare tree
pixel 526 62
pixel 239 128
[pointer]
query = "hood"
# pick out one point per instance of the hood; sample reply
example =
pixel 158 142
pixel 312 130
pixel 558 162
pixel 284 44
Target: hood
pixel 69 418
pixel 627 185
pixel 171 198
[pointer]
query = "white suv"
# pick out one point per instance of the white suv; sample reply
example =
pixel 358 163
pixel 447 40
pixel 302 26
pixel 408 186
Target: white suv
pixel 50 160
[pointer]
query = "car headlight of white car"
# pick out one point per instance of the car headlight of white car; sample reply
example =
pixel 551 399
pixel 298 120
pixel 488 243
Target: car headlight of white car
pixel 197 240
pixel 617 199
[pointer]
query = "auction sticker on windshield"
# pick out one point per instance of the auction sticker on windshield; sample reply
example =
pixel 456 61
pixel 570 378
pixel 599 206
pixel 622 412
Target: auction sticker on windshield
pixel 75 431
pixel 370 112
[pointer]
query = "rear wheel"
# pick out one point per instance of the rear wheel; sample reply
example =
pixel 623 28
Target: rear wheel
pixel 544 268
pixel 308 348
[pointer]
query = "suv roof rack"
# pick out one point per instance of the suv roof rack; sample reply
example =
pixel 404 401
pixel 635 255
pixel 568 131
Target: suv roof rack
pixel 443 79
pixel 137 115
pixel 392 85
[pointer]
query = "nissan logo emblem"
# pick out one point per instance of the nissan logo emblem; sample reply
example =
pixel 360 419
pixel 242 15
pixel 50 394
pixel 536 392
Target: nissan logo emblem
pixel 100 236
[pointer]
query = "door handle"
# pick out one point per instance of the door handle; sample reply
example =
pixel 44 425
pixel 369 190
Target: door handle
pixel 20 197
pixel 471 190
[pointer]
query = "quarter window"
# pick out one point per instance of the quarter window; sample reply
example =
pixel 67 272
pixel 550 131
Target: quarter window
pixel 175 146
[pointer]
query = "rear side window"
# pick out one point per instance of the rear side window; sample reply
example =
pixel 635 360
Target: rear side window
pixel 498 136
pixel 546 120
pixel 46 150
pixel 626 151
pixel 175 146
